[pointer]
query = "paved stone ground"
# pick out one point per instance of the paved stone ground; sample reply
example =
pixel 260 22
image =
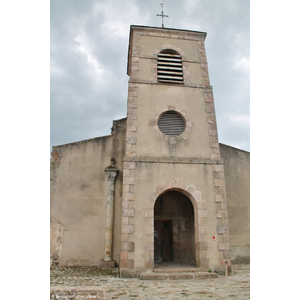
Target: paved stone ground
pixel 236 286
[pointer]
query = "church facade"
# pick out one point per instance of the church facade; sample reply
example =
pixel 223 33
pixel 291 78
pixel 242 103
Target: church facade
pixel 161 187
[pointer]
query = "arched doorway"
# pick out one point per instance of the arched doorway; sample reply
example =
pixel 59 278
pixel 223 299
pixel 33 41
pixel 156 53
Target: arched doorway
pixel 174 233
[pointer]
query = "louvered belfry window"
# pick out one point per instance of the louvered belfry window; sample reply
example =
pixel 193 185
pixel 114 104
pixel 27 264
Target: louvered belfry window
pixel 171 123
pixel 169 67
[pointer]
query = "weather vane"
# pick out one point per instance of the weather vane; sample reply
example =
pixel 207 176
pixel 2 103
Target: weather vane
pixel 162 14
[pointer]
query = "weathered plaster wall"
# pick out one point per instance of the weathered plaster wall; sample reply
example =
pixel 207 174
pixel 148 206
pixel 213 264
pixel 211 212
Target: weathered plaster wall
pixel 78 197
pixel 237 179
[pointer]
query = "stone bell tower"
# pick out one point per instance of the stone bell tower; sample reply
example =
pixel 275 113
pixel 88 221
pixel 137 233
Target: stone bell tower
pixel 174 205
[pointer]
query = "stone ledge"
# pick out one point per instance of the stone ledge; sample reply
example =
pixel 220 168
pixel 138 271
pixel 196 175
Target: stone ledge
pixel 174 160
pixel 178 276
pixel 139 81
pixel 185 270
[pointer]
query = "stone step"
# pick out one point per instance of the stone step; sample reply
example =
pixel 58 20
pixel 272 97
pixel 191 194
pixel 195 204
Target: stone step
pixel 177 270
pixel 178 276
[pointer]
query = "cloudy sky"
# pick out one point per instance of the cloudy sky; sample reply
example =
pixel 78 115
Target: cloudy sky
pixel 89 44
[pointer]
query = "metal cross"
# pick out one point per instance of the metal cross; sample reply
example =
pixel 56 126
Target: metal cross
pixel 162 14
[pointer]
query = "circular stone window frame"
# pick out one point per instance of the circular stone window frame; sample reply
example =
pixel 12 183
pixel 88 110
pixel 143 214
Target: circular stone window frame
pixel 171 118
pixel 185 135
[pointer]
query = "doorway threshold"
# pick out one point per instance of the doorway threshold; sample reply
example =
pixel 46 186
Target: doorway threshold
pixel 170 270
pixel 173 265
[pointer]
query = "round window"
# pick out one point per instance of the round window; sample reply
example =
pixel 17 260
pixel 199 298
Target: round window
pixel 171 123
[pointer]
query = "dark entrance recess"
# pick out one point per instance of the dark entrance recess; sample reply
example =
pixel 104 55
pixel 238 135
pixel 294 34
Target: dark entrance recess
pixel 174 232
pixel 163 240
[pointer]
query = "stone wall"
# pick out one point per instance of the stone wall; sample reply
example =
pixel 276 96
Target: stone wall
pixel 237 179
pixel 79 197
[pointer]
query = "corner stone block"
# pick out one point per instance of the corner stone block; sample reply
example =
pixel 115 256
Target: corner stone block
pixel 222 229
pixel 213 132
pixel 215 156
pixel 128 212
pixel 133 128
pixel 127 188
pixel 219 182
pixel 226 237
pixel 214 145
pixel 128 196
pixel 201 205
pixel 127 264
pixel 125 204
pixel 128 228
pixel 128 180
pixel 197 196
pixel 218 168
pixel 219 198
pixel 125 220
pixel 226 254
pixel 148 265
pixel 127 246
pixel 224 221
pixel 210 108
pixel 211 121
pixel 171 107
pixel 131 141
pixel 224 245
pixel 222 214
pixel 124 255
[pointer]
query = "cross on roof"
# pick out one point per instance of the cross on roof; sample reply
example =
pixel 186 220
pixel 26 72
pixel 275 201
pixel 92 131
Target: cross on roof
pixel 162 15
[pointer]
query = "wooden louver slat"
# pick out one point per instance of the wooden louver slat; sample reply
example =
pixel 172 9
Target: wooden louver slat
pixel 169 68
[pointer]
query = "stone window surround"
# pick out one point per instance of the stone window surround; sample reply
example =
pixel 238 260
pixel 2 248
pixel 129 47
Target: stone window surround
pixel 159 63
pixel 171 139
pixel 166 47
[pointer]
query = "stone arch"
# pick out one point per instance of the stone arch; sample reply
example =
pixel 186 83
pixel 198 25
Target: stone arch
pixel 174 230
pixel 168 47
pixel 200 217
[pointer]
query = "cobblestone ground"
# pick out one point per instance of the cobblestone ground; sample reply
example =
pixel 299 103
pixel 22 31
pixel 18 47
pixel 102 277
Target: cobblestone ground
pixel 236 286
